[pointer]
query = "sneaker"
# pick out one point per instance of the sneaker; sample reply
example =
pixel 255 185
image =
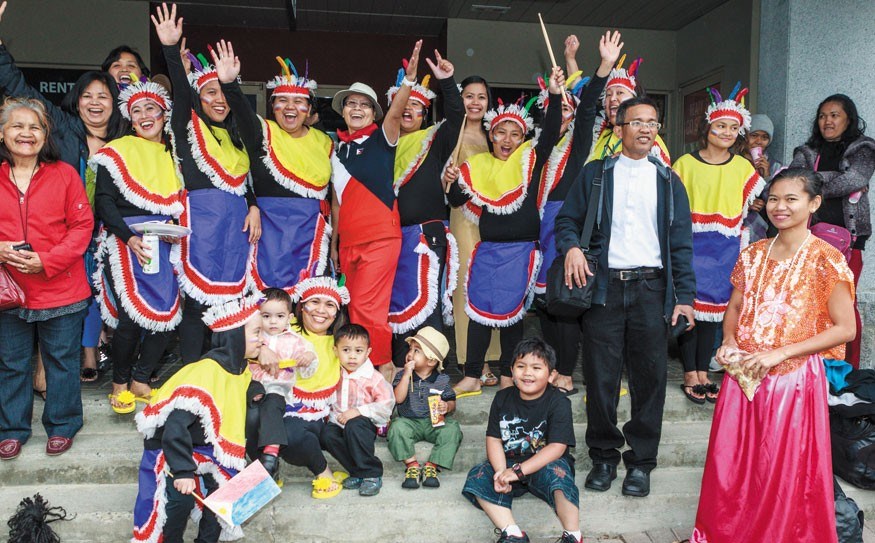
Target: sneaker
pixel 715 366
pixel 352 483
pixel 568 538
pixel 431 479
pixel 411 477
pixel 504 538
pixel 371 486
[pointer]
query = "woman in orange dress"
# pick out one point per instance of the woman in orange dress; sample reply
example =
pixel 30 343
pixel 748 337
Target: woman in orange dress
pixel 768 474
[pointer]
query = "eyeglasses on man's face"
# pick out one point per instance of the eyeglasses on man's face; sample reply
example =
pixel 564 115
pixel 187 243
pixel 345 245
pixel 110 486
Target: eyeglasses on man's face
pixel 638 125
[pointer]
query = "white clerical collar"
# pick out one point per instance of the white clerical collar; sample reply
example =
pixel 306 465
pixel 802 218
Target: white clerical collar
pixel 631 162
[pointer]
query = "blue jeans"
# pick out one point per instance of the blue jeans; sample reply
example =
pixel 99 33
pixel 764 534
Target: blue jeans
pixel 557 475
pixel 60 343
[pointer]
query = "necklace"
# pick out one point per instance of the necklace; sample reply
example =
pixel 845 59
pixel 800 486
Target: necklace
pixel 758 292
pixel 21 193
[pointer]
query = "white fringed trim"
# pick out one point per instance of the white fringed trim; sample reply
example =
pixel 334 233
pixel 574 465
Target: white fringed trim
pixel 148 425
pixel 232 313
pixel 469 211
pixel 160 504
pixel 452 271
pixel 174 209
pixel 321 414
pixel 286 182
pixel 229 531
pixel 204 166
pixel 320 257
pixel 123 297
pixel 98 280
pixel 708 317
pixel 432 290
pixel 717 227
pixel 322 406
pixel 322 283
pixel 511 207
pixel 417 160
pixel 552 174
pixel 597 127
pixel 657 152
pixel 519 315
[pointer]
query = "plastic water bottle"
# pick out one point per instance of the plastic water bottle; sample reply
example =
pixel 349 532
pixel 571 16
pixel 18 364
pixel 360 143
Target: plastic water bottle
pixel 153 265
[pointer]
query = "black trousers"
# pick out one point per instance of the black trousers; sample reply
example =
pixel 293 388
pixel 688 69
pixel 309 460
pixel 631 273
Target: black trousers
pixel 194 335
pixel 697 345
pixel 353 446
pixel 437 241
pixel 304 448
pixel 478 343
pixel 178 509
pixel 126 366
pixel 629 330
pixel 563 334
pixel 264 424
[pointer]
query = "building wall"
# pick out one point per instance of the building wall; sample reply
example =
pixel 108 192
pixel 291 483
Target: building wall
pixel 58 32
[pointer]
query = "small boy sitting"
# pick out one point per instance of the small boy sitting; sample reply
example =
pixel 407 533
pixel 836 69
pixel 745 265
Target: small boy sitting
pixel 528 438
pixel 285 356
pixel 364 402
pixel 420 379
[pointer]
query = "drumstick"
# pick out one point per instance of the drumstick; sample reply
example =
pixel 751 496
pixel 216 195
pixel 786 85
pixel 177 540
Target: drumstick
pixel 458 149
pixel 552 57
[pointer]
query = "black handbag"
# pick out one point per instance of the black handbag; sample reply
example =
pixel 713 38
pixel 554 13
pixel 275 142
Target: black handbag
pixel 573 302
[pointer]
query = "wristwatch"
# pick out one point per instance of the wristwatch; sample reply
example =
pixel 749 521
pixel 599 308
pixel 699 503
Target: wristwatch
pixel 518 470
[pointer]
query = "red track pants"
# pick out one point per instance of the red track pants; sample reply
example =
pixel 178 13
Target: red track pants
pixel 370 272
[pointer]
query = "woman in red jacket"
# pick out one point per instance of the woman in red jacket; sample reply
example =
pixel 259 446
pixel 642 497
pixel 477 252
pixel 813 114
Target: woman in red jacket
pixel 45 227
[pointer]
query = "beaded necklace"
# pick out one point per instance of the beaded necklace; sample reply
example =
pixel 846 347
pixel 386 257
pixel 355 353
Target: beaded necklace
pixel 757 294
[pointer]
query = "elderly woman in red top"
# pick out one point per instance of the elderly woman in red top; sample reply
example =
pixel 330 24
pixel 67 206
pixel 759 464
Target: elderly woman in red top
pixel 45 227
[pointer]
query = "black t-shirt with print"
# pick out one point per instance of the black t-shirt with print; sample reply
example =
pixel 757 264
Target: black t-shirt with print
pixel 527 426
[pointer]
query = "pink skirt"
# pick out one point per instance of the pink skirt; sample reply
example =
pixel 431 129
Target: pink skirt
pixel 768 474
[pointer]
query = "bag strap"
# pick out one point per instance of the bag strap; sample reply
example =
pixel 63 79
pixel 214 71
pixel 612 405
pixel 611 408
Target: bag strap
pixel 593 210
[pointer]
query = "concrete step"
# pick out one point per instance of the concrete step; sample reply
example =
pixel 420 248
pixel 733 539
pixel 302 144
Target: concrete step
pixel 104 512
pixel 113 455
pixel 100 419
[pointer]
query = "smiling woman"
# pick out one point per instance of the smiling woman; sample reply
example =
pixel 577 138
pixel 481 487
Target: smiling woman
pixel 45 225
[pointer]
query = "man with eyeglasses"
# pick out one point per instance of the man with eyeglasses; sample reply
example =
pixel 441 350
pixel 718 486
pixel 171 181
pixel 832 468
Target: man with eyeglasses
pixel 644 281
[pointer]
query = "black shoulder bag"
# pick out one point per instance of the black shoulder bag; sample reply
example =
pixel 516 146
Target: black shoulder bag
pixel 573 302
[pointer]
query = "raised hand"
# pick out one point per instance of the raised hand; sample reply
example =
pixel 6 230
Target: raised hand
pixel 610 47
pixel 441 67
pixel 557 81
pixel 227 65
pixel 2 9
pixel 183 53
pixel 167 26
pixel 572 44
pixel 413 63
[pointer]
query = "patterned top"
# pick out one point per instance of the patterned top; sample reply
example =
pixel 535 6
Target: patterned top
pixel 792 299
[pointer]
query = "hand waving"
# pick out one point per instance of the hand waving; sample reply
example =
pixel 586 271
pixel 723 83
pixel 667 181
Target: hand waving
pixel 610 47
pixel 167 26
pixel 413 63
pixel 227 65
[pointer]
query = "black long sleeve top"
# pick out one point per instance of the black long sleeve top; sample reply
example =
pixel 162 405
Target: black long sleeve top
pixel 421 199
pixel 184 98
pixel 524 224
pixel 582 135
pixel 178 437
pixel 111 207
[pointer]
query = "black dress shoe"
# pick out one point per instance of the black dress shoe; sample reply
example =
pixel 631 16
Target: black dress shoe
pixel 271 465
pixel 600 477
pixel 636 483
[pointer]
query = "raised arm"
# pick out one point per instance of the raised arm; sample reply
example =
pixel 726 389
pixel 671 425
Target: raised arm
pixel 454 108
pixel 392 120
pixel 228 68
pixel 609 50
pixel 553 118
pixel 169 30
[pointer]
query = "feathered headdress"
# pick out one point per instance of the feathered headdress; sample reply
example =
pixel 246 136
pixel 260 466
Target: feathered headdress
pixel 202 72
pixel 231 314
pixel 139 91
pixel 515 113
pixel 622 77
pixel 312 286
pixel 573 90
pixel 289 83
pixel 420 92
pixel 732 108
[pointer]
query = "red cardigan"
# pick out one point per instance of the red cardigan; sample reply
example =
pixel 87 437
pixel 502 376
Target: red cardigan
pixel 59 227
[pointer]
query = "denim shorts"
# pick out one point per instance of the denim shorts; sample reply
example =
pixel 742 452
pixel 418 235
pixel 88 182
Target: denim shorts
pixel 557 475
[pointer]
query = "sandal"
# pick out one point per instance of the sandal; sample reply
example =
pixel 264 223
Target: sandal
pixel 146 399
pixel 88 375
pixel 467 394
pixel 126 401
pixel 689 390
pixel 711 392
pixel 40 394
pixel 322 488
pixel 489 379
